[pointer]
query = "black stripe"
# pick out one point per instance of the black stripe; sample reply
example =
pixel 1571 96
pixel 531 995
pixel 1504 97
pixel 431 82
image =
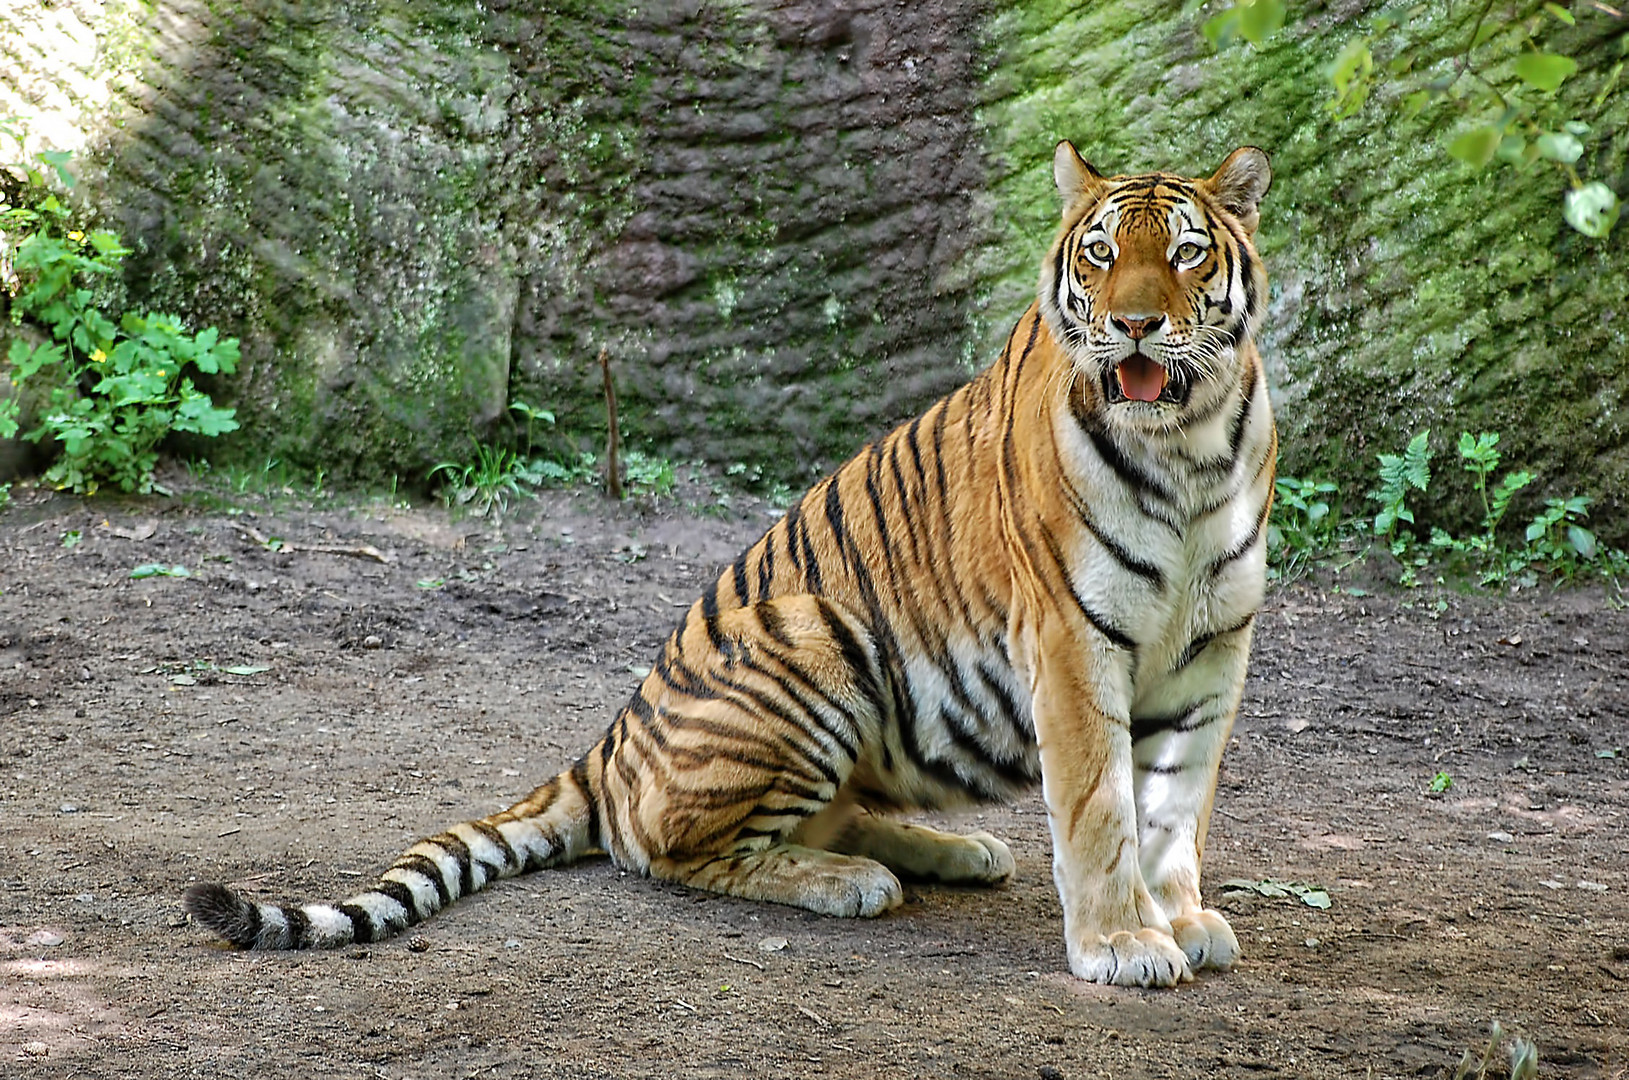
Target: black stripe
pixel 1145 570
pixel 501 842
pixel 363 929
pixel 299 927
pixel 1143 727
pixel 402 895
pixel 1010 770
pixel 739 570
pixel 459 850
pixel 709 619
pixel 1097 619
pixel 429 868
pixel 811 561
pixel 1243 547
pixel 1236 438
pixel 793 519
pixel 252 922
pixel 1130 473
pixel 580 776
pixel 766 563
pixel 854 654
pixel 1162 770
pixel 1200 643
pixel 769 617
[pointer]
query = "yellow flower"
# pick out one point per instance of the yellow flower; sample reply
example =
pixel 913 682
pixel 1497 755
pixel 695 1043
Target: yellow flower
pixel 98 356
pixel 77 237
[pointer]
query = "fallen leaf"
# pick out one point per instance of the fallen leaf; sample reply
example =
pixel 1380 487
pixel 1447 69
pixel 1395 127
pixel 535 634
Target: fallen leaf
pixel 143 530
pixel 1513 639
pixel 772 944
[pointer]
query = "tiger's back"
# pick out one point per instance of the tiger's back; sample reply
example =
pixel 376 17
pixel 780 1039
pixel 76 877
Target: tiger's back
pixel 1049 576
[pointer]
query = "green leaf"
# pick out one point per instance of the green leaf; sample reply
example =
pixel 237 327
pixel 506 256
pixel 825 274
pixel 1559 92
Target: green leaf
pixel 1592 209
pixel 1441 783
pixel 1260 19
pixel 149 570
pixel 1561 13
pixel 1560 147
pixel 1316 898
pixel 1221 29
pixel 1512 148
pixel 1351 75
pixel 246 669
pixel 1477 146
pixel 1582 541
pixel 58 160
pixel 1415 103
pixel 1544 71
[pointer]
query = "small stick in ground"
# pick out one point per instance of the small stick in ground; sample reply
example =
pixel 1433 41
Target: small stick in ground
pixel 361 551
pixel 613 438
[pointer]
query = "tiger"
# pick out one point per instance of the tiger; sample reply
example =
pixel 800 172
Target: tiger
pixel 1049 577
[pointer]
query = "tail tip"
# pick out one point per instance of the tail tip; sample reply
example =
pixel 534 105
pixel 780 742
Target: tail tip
pixel 222 911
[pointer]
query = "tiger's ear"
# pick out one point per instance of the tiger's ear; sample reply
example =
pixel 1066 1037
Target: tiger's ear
pixel 1075 178
pixel 1240 183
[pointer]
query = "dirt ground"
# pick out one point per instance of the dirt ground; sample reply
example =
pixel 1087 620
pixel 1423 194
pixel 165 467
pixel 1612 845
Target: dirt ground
pixel 374 702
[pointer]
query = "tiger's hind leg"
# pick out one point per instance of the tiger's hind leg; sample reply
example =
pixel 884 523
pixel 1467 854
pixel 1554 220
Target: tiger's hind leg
pixel 926 854
pixel 742 738
pixel 822 881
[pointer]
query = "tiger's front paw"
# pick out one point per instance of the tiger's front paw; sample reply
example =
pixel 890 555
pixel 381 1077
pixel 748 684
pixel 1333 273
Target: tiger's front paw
pixel 1144 958
pixel 994 863
pixel 1206 939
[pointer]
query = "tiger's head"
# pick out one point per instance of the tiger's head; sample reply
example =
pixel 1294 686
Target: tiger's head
pixel 1153 284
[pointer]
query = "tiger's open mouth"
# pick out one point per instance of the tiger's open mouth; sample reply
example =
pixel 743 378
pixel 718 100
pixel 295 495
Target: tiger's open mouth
pixel 1140 378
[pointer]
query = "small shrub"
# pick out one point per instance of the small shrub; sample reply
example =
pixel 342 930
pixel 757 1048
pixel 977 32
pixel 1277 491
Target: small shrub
pixel 109 393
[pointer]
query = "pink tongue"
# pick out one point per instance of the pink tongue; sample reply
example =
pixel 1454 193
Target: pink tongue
pixel 1140 378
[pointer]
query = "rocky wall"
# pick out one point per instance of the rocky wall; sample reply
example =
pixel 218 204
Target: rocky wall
pixel 792 224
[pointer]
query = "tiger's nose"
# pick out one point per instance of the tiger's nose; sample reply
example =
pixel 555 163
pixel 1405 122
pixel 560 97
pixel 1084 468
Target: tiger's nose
pixel 1137 329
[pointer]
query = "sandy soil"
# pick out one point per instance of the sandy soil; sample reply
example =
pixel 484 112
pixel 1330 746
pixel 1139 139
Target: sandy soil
pixel 374 702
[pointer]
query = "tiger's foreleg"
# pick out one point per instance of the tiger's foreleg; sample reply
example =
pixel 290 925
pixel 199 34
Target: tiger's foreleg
pixel 1114 929
pixel 1176 755
pixel 917 851
pixel 824 882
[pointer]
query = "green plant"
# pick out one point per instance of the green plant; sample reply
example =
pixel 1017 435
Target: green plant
pixel 532 414
pixel 1501 76
pixel 1557 538
pixel 1480 456
pixel 647 475
pixel 1400 474
pixel 1440 783
pixel 1253 20
pixel 111 393
pixel 1521 1056
pixel 1303 526
pixel 488 482
pixel 1502 80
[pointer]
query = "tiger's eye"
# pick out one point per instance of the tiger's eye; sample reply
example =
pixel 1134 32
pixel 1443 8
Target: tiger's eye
pixel 1100 251
pixel 1188 252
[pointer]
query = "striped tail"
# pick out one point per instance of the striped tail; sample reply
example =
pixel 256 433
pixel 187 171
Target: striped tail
pixel 554 825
